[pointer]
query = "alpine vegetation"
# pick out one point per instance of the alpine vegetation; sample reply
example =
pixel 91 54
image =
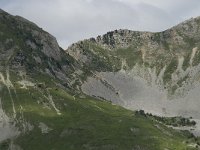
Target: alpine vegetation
pixel 125 90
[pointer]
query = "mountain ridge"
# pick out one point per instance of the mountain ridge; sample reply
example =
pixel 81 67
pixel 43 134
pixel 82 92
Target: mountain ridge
pixel 43 107
pixel 126 38
pixel 158 72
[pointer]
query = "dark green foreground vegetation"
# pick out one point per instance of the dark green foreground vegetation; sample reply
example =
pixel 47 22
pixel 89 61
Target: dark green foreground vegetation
pixel 169 121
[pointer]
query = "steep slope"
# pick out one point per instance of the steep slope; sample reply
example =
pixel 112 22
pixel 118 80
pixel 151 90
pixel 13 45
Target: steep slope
pixel 41 106
pixel 27 49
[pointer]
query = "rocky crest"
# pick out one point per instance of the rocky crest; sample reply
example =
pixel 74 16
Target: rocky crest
pixel 158 72
pixel 170 52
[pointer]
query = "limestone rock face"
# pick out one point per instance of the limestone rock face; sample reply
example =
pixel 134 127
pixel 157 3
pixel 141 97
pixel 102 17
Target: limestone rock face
pixel 172 55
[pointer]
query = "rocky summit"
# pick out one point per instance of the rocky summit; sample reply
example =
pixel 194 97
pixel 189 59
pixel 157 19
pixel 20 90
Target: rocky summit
pixel 157 72
pixel 125 90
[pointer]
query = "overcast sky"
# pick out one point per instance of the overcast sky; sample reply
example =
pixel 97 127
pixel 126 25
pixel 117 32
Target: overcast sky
pixel 73 20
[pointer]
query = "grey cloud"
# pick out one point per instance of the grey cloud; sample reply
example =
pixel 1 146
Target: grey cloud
pixel 73 20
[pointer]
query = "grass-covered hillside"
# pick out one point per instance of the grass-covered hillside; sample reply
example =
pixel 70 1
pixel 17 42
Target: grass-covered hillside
pixel 49 117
